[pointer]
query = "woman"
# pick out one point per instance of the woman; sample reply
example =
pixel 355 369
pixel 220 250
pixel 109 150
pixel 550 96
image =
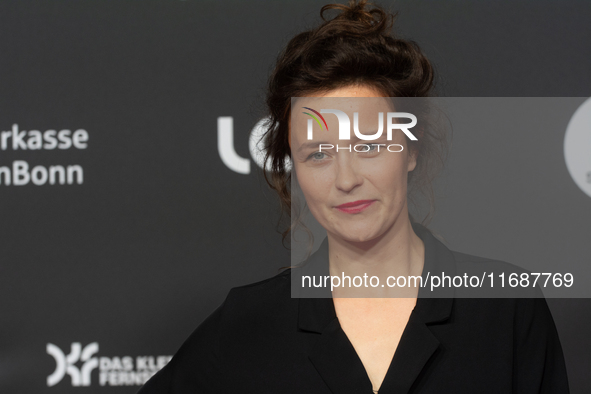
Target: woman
pixel 262 340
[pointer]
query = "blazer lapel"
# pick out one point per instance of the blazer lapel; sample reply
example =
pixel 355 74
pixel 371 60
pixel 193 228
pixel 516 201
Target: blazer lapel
pixel 416 347
pixel 337 362
pixel 331 353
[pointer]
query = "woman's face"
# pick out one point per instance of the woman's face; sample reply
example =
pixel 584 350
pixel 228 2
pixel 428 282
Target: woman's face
pixel 375 181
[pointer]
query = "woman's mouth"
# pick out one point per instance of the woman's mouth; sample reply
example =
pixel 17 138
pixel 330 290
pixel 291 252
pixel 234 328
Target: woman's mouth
pixel 355 206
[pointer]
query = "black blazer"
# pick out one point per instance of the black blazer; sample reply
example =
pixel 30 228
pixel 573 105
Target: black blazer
pixel 260 340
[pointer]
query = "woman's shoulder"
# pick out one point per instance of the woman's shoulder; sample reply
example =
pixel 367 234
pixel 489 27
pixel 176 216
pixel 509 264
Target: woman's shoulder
pixel 468 262
pixel 243 319
pixel 269 288
pixel 253 301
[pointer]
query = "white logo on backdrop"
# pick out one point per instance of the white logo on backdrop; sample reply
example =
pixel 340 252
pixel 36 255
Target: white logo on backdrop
pixel 255 145
pixel 113 371
pixel 577 147
pixel 65 364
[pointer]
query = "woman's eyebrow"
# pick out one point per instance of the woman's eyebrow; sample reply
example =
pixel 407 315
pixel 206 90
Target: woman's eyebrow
pixel 313 144
pixel 357 139
pixel 354 139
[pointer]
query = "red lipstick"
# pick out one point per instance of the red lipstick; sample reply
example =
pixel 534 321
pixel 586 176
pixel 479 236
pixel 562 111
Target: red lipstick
pixel 355 206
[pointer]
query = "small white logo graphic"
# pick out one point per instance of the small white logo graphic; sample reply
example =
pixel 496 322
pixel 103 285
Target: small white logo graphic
pixel 255 144
pixel 577 147
pixel 65 364
pixel 112 371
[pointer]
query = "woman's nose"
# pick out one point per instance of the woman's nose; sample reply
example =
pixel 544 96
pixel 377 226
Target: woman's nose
pixel 347 175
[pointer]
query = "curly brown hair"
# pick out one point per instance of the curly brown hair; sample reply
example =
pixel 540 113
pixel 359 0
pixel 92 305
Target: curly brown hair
pixel 355 47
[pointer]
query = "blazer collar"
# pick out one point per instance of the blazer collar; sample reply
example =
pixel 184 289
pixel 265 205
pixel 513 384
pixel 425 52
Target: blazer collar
pixel 316 309
pixel 333 354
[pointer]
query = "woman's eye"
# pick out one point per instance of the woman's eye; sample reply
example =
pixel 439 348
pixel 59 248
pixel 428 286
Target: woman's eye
pixel 369 148
pixel 317 156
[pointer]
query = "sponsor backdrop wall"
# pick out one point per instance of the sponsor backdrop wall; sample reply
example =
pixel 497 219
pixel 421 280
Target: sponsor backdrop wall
pixel 122 224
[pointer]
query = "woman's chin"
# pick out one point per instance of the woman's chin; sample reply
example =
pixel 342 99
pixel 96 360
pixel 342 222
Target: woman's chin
pixel 358 236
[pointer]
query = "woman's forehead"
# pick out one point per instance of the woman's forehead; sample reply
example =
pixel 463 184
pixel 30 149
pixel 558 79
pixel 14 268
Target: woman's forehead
pixel 346 104
pixel 325 115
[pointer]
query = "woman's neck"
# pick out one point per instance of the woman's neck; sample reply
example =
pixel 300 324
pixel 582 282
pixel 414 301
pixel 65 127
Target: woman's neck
pixel 398 252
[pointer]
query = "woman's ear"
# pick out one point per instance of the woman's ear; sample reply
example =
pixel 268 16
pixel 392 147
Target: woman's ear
pixel 413 153
pixel 412 159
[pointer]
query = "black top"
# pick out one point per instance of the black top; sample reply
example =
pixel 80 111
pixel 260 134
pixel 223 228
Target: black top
pixel 260 340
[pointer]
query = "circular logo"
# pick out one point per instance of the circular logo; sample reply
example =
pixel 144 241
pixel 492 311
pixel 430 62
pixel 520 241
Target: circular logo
pixel 577 147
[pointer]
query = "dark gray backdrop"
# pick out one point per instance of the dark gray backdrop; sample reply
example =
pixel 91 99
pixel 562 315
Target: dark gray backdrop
pixel 135 257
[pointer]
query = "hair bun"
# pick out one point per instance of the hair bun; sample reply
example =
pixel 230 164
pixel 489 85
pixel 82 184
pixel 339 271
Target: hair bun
pixel 373 20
